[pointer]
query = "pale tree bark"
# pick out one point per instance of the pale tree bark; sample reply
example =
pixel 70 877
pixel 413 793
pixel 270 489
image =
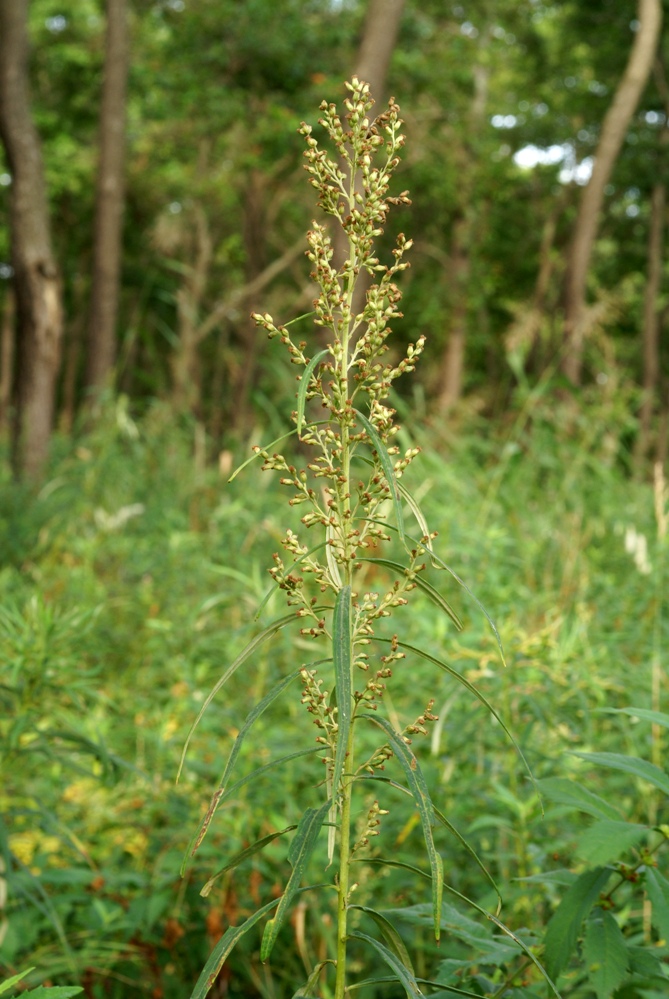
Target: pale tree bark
pixel 109 199
pixel 372 62
pixel 614 129
pixel 36 279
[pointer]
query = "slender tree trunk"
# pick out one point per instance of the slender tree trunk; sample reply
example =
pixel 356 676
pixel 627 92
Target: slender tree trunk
pixel 651 318
pixel 36 279
pixel 108 201
pixel 185 359
pixel 6 359
pixel 614 129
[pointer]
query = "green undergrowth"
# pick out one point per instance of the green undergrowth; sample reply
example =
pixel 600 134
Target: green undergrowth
pixel 131 579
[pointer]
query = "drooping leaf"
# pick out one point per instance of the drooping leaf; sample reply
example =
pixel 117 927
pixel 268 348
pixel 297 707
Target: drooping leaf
pixel 406 977
pixel 568 792
pixel 422 584
pixel 388 471
pixel 304 386
pixel 252 717
pixel 469 686
pixel 243 855
pixel 472 853
pixel 608 839
pixel 631 765
pixel 267 766
pixel 300 851
pixel 657 887
pixel 232 668
pixel 604 953
pixel 656 717
pixel 565 923
pixel 421 794
pixel 391 935
pixel 417 512
pixel 310 988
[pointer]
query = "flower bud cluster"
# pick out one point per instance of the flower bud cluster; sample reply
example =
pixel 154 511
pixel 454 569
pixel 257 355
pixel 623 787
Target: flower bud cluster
pixel 371 827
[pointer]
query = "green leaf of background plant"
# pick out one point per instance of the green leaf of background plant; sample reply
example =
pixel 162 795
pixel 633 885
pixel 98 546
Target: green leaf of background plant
pixel 241 658
pixel 422 584
pixel 608 840
pixel 11 982
pixel 232 759
pixel 657 717
pixel 604 953
pixel 300 851
pixel 268 766
pixel 53 992
pixel 341 651
pixel 657 887
pixel 565 924
pixel 421 794
pixel 243 855
pixel 391 935
pixel 631 765
pixel 406 977
pixel 565 791
pixel 304 386
pixel 388 471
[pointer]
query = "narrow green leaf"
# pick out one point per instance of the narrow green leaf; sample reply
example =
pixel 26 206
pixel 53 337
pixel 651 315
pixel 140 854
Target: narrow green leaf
pixel 417 512
pixel 256 454
pixel 381 862
pixel 387 979
pixel 608 840
pixel 657 717
pixel 421 794
pixel 232 668
pixel 53 992
pixel 645 964
pixel 267 766
pixel 406 977
pixel 472 853
pixel 605 953
pixel 309 989
pixel 422 584
pixel 304 386
pixel 232 759
pixel 391 935
pixel 657 887
pixel 300 851
pixel 565 791
pixel 229 940
pixel 11 982
pixel 565 923
pixel 470 687
pixel 243 855
pixel 388 471
pixel 631 765
pixel 341 649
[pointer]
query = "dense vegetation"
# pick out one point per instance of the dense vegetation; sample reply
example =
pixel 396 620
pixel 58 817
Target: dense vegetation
pixel 133 572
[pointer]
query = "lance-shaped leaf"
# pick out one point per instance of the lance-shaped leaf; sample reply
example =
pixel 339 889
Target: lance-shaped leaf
pixel 565 923
pixel 608 839
pixel 341 651
pixel 418 514
pixel 421 795
pixel 472 853
pixel 445 989
pixel 243 855
pixel 565 791
pixel 391 935
pixel 656 717
pixel 232 759
pixel 232 668
pixel 388 470
pixel 304 386
pixel 11 982
pixel 657 887
pixel 631 765
pixel 300 851
pixel 382 862
pixel 421 583
pixel 267 766
pixel 406 977
pixel 310 988
pixel 605 953
pixel 469 686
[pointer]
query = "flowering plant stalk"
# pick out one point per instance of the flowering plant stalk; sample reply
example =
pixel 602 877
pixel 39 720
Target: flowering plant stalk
pixel 354 500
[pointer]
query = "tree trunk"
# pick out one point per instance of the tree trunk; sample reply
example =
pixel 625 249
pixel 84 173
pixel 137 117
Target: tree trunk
pixel 109 200
pixel 614 129
pixel 6 360
pixel 36 279
pixel 651 318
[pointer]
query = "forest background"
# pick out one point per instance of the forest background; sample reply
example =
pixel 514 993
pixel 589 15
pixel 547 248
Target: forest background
pixel 152 196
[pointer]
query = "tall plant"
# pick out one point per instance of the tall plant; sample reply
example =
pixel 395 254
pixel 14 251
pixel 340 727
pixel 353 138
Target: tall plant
pixel 354 499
